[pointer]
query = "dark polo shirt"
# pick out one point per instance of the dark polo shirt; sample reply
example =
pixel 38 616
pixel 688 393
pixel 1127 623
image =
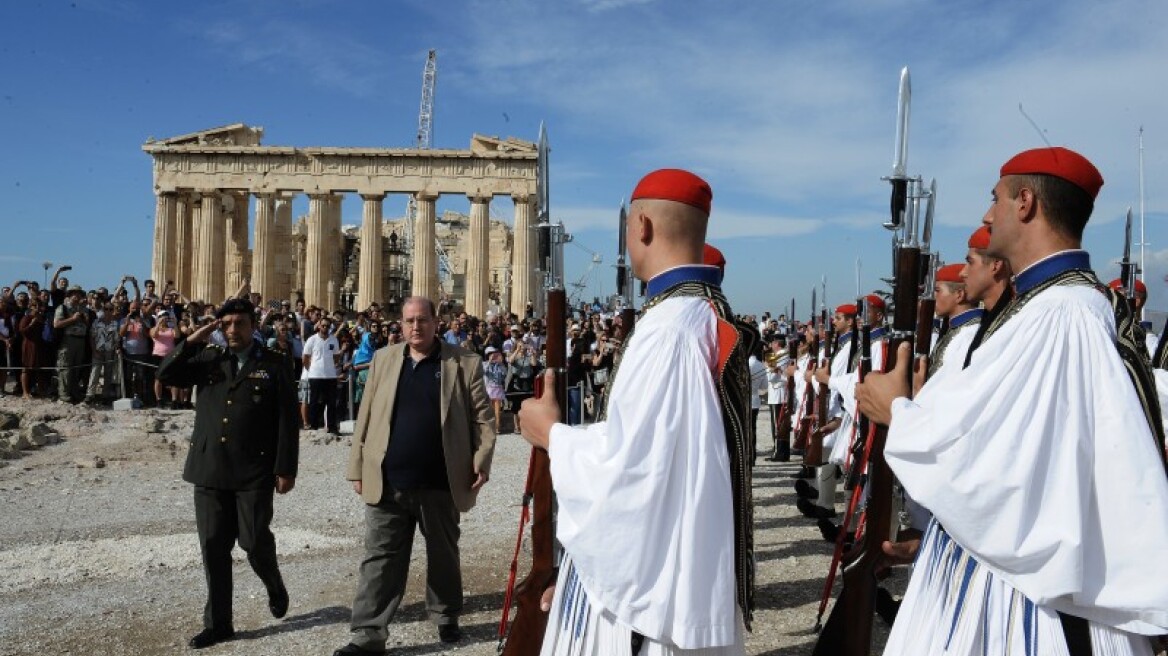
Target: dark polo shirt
pixel 415 459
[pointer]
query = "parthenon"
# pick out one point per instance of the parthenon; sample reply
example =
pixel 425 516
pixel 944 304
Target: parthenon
pixel 204 182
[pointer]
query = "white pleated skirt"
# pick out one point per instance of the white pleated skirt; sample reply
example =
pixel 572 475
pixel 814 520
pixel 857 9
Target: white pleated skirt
pixel 576 627
pixel 954 606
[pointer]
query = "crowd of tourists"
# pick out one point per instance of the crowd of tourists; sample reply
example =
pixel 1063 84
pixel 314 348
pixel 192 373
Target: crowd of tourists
pixel 74 345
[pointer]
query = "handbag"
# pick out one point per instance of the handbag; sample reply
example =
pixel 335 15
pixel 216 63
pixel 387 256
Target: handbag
pixel 600 377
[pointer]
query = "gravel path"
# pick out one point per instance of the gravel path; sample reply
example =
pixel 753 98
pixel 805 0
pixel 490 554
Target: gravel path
pixel 98 552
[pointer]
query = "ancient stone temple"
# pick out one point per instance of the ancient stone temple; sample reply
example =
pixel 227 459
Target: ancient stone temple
pixel 452 231
pixel 205 183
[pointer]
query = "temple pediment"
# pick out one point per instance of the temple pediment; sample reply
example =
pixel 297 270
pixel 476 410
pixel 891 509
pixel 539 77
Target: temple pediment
pixel 481 144
pixel 236 134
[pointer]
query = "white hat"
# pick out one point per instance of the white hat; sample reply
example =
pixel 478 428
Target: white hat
pixel 491 349
pixel 575 326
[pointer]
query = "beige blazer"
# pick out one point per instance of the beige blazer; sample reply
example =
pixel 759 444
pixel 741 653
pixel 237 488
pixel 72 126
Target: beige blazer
pixel 468 433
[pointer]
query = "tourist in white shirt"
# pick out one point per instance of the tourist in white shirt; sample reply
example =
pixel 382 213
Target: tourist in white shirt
pixel 321 355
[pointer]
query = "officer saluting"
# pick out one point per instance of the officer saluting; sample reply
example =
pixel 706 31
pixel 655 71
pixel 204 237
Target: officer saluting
pixel 245 445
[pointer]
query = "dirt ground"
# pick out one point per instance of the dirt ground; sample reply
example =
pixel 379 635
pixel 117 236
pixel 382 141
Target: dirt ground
pixel 98 552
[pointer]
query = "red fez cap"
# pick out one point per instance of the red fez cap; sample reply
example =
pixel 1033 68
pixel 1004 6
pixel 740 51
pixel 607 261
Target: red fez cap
pixel 713 257
pixel 675 185
pixel 1117 285
pixel 950 273
pixel 980 239
pixel 1059 162
pixel 847 309
pixel 875 301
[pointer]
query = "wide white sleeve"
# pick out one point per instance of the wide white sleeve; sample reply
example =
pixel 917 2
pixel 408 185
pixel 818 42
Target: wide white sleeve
pixel 1029 459
pixel 645 509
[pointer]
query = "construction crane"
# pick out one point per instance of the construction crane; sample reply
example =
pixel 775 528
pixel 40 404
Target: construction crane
pixel 424 141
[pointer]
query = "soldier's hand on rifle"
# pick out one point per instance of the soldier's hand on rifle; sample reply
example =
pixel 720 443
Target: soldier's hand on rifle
pixel 823 375
pixel 828 428
pixel 902 552
pixel 536 416
pixel 545 600
pixel 920 374
pixel 876 394
pixel 807 376
pixel 791 369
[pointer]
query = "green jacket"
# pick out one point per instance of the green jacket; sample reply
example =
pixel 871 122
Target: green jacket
pixel 247 430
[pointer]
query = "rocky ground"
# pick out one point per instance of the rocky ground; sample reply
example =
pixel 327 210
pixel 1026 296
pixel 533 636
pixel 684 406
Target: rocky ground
pixel 98 552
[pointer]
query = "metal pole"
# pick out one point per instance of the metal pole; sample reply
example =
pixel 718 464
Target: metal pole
pixel 352 375
pixel 122 375
pixel 1143 241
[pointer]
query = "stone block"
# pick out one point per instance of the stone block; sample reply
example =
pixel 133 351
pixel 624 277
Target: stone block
pixel 127 404
pixel 40 434
pixel 9 420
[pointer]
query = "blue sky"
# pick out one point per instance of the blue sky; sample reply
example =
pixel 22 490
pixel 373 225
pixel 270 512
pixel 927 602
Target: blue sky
pixel 787 107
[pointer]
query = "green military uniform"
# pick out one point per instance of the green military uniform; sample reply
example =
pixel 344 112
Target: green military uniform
pixel 246 433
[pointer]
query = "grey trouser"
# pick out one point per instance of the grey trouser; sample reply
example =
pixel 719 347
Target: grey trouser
pixel 103 375
pixel 389 538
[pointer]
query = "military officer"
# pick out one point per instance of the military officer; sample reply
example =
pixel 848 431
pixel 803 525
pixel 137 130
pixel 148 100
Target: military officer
pixel 244 447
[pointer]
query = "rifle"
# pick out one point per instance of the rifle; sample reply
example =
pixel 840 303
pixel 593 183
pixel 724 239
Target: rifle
pixel 813 457
pixel 807 405
pixel 526 635
pixel 624 282
pixel 861 432
pixel 848 631
pixel 1128 268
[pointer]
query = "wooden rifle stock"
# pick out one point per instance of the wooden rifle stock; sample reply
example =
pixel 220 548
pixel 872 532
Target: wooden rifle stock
pixel 813 457
pixel 848 631
pixel 924 337
pixel 860 435
pixel 788 397
pixel 807 421
pixel 526 635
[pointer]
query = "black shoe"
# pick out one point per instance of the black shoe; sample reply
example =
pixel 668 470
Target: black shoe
pixel 353 650
pixel 813 511
pixel 449 633
pixel 278 601
pixel 208 637
pixel 804 490
pixel 830 532
pixel 886 606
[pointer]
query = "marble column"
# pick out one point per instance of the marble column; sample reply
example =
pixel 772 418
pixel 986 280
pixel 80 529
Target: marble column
pixel 184 243
pixel 316 269
pixel 523 256
pixel 235 257
pixel 263 269
pixel 369 288
pixel 478 258
pixel 335 252
pixel 425 276
pixel 208 265
pixel 165 236
pixel 285 251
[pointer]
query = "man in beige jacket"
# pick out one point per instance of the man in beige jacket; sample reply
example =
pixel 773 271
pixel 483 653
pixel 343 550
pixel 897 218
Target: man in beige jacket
pixel 421 451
